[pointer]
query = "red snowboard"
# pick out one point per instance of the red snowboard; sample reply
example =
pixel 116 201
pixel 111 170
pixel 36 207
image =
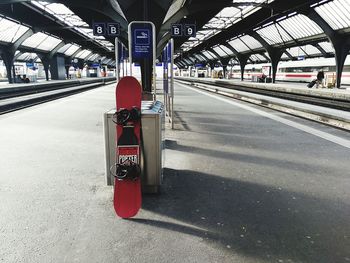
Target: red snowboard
pixel 127 183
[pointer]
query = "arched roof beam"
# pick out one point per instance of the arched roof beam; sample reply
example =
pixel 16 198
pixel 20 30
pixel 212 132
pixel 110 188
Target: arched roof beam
pixel 164 34
pixel 274 53
pixel 76 52
pixel 323 52
pixel 341 43
pixel 92 5
pixel 55 49
pixel 288 55
pixel 21 39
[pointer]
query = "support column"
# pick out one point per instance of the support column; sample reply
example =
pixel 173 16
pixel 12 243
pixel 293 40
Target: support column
pixel 243 59
pixel 340 41
pixel 146 75
pixel 46 63
pixel 274 53
pixel 275 56
pixel 212 66
pixel 8 58
pixel 342 49
pixel 67 64
pixel 224 62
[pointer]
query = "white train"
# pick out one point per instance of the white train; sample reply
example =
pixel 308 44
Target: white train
pixel 295 71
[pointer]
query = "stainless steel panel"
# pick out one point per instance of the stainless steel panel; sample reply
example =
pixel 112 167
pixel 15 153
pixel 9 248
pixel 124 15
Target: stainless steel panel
pixel 152 147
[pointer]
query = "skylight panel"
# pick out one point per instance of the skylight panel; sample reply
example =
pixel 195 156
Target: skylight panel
pixel 199 57
pixel 64 48
pixel 238 45
pixel 70 51
pixel 83 54
pixel 94 57
pixel 68 17
pixel 274 34
pixel 327 46
pixel 227 17
pixel 256 58
pixel 11 31
pixel 300 26
pixel 251 42
pixel 220 51
pixel 35 40
pixel 209 55
pixel 284 56
pixel 27 56
pixel 336 13
pixel 49 43
pixel 311 50
pixel 296 51
pixel 226 49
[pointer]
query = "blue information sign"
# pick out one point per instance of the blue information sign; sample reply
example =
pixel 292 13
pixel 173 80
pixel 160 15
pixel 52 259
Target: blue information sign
pixel 142 41
pixel 169 52
pixel 99 29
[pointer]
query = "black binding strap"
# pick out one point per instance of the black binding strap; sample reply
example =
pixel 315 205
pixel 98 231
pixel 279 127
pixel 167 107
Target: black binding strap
pixel 122 116
pixel 128 171
pixel 135 114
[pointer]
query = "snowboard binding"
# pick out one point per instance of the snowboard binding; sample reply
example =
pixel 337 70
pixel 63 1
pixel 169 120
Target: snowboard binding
pixel 128 171
pixel 123 116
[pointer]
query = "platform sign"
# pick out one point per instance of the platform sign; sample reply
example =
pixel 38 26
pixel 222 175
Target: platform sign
pixel 169 52
pixel 99 29
pixel 142 46
pixel 190 30
pixel 113 29
pixel 141 41
pixel 176 30
pixel 30 65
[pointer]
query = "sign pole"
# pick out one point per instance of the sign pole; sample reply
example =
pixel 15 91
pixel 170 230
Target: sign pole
pixel 141 45
pixel 117 66
pixel 172 81
pixel 130 46
pixel 154 63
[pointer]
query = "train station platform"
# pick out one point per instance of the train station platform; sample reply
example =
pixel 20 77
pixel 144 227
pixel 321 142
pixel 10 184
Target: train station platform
pixel 241 184
pixel 293 87
pixel 44 83
pixel 327 106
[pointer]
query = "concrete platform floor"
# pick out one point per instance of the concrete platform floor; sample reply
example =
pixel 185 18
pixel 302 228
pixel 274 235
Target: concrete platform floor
pixel 241 184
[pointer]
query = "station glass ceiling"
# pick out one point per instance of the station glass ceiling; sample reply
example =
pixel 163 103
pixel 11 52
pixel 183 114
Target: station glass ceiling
pixel 288 29
pixel 11 31
pixel 225 18
pixel 41 41
pixel 66 16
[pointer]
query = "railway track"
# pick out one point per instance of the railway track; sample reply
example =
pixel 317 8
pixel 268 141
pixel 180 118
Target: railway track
pixel 16 99
pixel 329 102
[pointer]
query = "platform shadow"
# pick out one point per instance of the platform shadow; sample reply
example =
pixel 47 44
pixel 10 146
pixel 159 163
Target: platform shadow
pixel 250 159
pixel 255 220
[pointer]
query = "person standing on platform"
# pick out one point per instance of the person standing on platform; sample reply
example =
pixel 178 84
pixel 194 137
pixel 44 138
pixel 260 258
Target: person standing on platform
pixel 320 77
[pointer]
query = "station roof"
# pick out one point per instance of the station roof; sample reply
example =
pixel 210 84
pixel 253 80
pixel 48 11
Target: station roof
pixel 226 29
pixel 250 28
